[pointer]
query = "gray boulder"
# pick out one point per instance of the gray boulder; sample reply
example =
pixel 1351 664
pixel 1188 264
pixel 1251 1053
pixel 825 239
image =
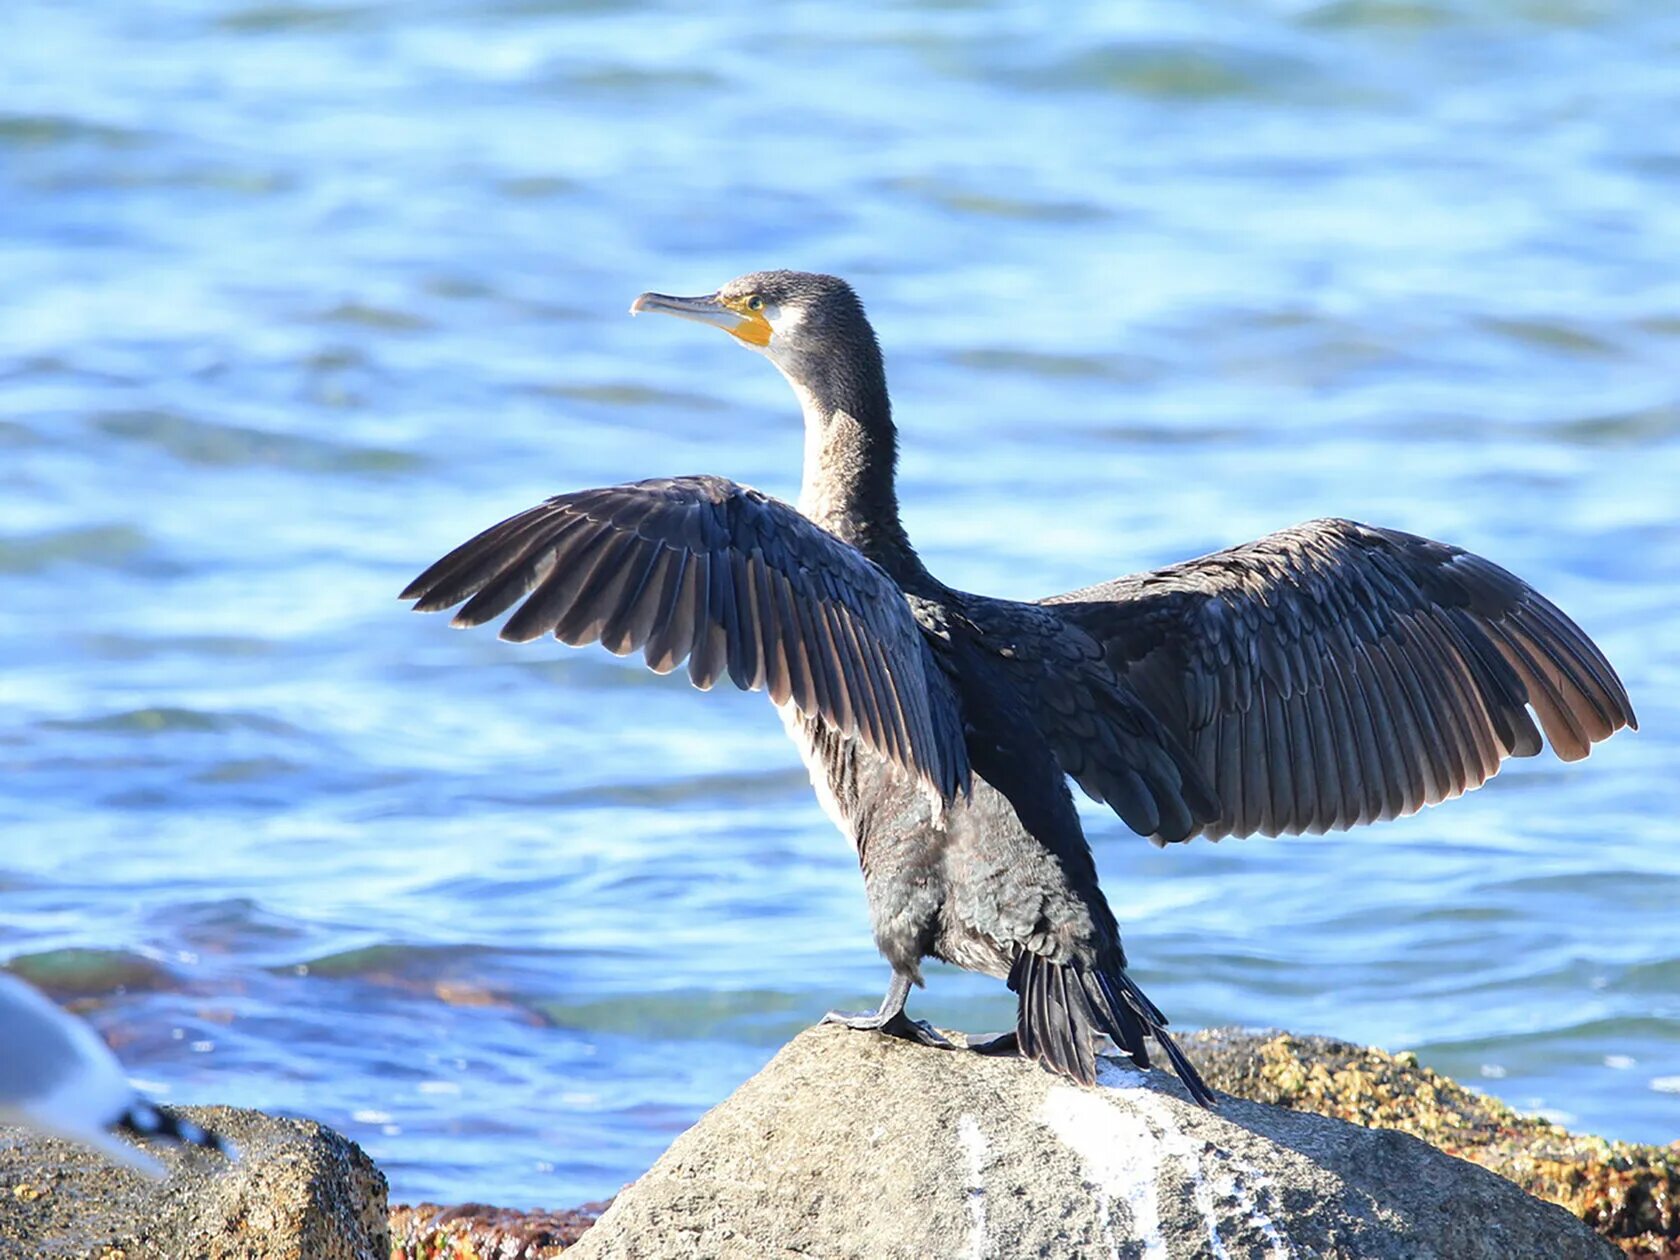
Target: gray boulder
pixel 299 1192
pixel 849 1144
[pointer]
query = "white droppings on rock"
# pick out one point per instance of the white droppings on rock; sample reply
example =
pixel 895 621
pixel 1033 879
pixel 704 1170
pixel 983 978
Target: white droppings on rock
pixel 975 1147
pixel 1115 1073
pixel 1180 1145
pixel 1172 1141
pixel 1244 1190
pixel 1119 1154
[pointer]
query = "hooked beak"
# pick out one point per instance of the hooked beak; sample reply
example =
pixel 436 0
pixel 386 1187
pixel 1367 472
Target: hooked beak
pixel 750 327
pixel 706 310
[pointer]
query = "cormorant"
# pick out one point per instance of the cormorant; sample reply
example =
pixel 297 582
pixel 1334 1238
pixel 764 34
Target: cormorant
pixel 1325 676
pixel 58 1077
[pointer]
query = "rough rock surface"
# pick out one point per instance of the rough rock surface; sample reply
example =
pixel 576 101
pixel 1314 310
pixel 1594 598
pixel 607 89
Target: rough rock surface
pixel 1629 1193
pixel 299 1192
pixel 850 1145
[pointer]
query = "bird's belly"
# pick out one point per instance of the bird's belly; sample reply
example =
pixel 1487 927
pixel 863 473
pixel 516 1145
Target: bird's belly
pixel 896 828
pixel 961 881
pixel 876 804
pixel 803 732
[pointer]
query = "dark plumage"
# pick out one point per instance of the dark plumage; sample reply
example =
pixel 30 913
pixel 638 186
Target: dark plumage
pixel 1327 675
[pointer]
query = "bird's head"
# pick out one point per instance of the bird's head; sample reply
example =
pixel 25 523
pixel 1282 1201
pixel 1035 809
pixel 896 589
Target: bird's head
pixel 810 326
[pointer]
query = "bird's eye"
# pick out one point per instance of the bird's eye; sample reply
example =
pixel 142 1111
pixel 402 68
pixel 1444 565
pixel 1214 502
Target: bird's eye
pixel 755 303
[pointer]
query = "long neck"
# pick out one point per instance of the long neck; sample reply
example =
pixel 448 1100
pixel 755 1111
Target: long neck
pixel 851 454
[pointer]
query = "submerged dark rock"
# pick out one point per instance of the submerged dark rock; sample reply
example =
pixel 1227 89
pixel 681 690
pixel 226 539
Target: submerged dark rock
pixel 298 1192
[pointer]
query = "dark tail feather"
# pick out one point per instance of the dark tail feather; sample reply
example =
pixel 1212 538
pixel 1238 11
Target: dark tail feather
pixel 146 1121
pixel 1062 1008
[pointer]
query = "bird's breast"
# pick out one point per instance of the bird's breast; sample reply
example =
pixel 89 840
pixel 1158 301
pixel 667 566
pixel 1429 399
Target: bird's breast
pixel 867 796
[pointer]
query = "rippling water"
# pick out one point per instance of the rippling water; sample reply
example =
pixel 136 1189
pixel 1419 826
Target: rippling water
pixel 298 296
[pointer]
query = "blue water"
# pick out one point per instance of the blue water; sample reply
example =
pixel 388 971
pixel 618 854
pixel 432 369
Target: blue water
pixel 298 296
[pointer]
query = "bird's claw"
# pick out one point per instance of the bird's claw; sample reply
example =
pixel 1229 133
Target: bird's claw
pixel 898 1024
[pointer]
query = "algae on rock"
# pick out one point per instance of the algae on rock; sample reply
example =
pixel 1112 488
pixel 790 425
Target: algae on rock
pixel 1628 1193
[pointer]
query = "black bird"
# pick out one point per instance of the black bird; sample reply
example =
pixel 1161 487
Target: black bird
pixel 1325 676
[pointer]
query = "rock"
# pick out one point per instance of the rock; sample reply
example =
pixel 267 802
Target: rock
pixel 1627 1192
pixel 427 1231
pixel 856 1145
pixel 299 1192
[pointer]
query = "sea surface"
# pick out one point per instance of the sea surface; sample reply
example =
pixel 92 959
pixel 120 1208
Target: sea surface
pixel 296 296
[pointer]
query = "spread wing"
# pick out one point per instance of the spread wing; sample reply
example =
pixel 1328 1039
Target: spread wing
pixel 730 580
pixel 1334 673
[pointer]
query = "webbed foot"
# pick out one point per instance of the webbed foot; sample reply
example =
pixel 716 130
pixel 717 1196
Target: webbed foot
pixel 891 1019
pixel 999 1044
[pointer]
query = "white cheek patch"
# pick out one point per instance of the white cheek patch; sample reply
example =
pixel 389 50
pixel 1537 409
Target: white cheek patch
pixel 784 322
pixel 784 319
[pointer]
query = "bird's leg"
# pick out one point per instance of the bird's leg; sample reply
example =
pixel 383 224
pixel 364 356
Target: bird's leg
pixel 890 1017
